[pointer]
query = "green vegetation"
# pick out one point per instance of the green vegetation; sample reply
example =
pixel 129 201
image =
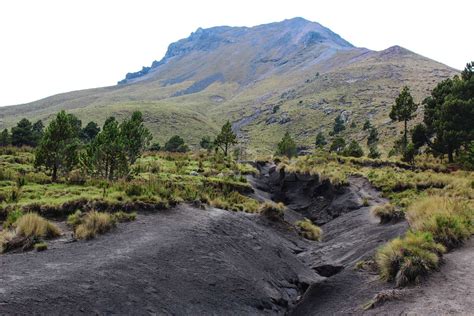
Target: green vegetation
pixel 287 146
pixel 176 144
pixel 403 111
pixel 226 138
pixel 121 216
pixel 338 125
pixel 405 260
pixel 93 224
pixel 41 246
pixel 308 230
pixel 320 141
pixel 388 213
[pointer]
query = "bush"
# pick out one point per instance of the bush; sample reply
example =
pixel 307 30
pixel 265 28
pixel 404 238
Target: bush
pixel 405 260
pixel 124 217
pixel 450 221
pixel 272 211
pixel 353 150
pixel 308 230
pixel 5 237
pixel 31 225
pixel 94 223
pixel 76 177
pixel 12 217
pixel 74 219
pixel 388 213
pixel 134 190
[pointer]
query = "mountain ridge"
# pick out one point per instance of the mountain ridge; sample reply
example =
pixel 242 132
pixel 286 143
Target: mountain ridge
pixel 294 75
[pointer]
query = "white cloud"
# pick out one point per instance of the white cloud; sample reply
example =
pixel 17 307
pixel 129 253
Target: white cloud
pixel 54 46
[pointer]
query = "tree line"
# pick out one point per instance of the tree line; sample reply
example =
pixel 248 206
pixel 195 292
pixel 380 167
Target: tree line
pixel 447 128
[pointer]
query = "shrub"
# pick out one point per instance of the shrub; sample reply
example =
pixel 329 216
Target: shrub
pixel 31 225
pixel 5 237
pixel 272 211
pixel 74 219
pixel 12 217
pixel 41 246
pixel 449 220
pixel 134 190
pixel 388 213
pixel 76 177
pixel 308 230
pixel 94 223
pixel 353 150
pixel 405 260
pixel 124 217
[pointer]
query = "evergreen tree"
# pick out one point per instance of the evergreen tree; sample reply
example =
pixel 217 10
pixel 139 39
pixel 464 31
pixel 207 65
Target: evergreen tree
pixel 338 145
pixel 37 129
pixel 89 132
pixel 226 138
pixel 353 150
pixel 367 125
pixel 58 148
pixel 135 136
pixel 176 144
pixel 374 152
pixel 338 125
pixel 449 113
pixel 206 143
pixel 373 137
pixel 155 147
pixel 287 146
pixel 320 141
pixel 403 111
pixel 22 134
pixel 106 154
pixel 5 139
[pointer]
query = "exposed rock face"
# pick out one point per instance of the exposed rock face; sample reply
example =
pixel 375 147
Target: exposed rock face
pixel 308 195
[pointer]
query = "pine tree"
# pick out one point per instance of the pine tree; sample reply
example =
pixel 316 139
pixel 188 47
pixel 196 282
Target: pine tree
pixel 5 138
pixel 403 111
pixel 58 148
pixel 373 137
pixel 338 145
pixel 135 136
pixel 226 138
pixel 338 125
pixel 320 141
pixel 287 146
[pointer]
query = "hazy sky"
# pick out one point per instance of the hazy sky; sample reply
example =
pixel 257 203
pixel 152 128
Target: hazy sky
pixel 53 46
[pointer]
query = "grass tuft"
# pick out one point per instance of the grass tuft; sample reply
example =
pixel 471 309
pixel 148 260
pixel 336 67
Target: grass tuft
pixel 31 225
pixel 308 230
pixel 405 260
pixel 93 224
pixel 388 213
pixel 272 211
pixel 124 217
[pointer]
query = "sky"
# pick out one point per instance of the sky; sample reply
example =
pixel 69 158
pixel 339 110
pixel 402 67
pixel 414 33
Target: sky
pixel 53 46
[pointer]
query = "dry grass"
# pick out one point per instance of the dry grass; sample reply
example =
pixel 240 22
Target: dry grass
pixel 93 224
pixel 272 211
pixel 308 230
pixel 122 217
pixel 449 220
pixel 388 213
pixel 5 237
pixel 384 296
pixel 35 226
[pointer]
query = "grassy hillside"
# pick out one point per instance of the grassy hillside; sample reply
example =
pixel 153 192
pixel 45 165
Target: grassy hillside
pixel 292 76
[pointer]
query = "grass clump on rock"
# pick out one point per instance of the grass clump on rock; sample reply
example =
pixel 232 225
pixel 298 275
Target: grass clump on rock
pixel 388 213
pixel 308 230
pixel 405 260
pixel 272 211
pixel 93 224
pixel 41 246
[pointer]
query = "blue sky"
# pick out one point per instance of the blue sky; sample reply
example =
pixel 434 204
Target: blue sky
pixel 53 46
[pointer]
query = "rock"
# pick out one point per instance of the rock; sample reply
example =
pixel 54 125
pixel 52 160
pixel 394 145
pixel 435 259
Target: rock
pixel 328 270
pixel 193 173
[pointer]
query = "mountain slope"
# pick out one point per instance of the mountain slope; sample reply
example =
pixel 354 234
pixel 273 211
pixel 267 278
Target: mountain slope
pixel 292 75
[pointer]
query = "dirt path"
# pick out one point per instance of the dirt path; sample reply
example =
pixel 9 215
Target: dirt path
pixel 183 261
pixel 449 291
